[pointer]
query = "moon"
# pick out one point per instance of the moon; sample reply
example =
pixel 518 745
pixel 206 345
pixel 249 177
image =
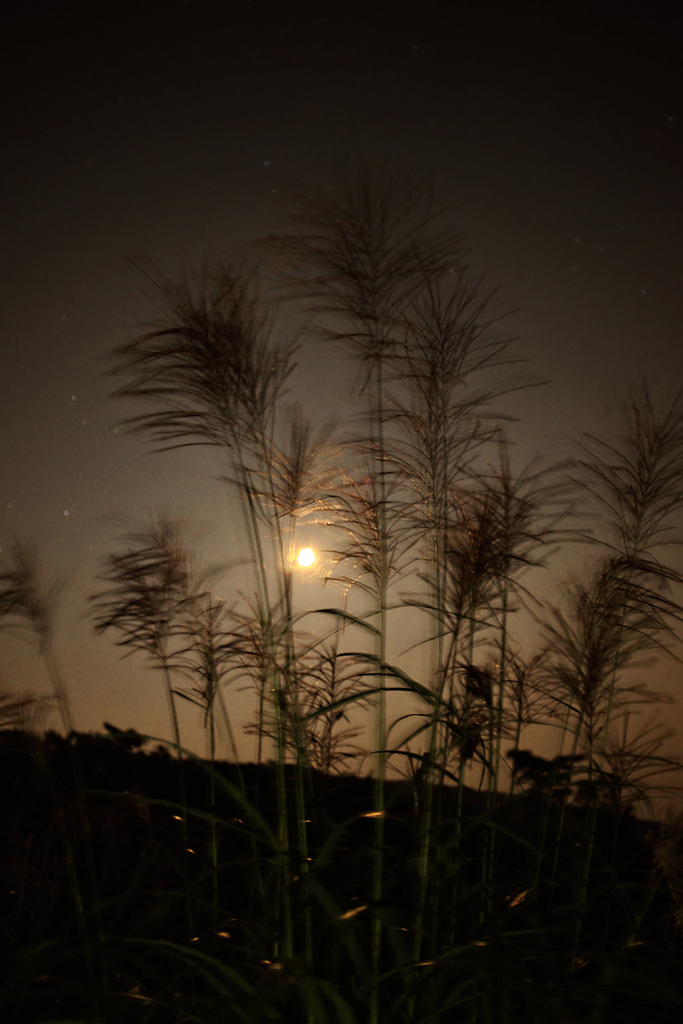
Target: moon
pixel 306 557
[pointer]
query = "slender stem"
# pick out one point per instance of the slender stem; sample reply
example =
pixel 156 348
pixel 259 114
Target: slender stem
pixel 58 686
pixel 214 843
pixel 50 658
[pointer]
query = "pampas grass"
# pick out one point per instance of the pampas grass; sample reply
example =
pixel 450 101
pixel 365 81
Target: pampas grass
pixel 493 884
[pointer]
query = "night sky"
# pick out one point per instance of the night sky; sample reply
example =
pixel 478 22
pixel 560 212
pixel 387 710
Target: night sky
pixel 175 131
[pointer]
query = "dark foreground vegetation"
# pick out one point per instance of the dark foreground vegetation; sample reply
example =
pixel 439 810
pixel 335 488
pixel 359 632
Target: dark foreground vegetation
pixel 111 911
pixel 490 884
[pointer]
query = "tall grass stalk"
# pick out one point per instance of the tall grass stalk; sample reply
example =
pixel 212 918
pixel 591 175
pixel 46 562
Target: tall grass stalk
pixel 448 900
pixel 216 375
pixel 445 339
pixel 147 586
pixel 360 256
pixel 204 657
pixel 28 604
pixel 636 481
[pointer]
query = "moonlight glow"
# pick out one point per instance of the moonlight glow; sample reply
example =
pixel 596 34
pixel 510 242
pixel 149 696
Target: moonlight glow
pixel 306 557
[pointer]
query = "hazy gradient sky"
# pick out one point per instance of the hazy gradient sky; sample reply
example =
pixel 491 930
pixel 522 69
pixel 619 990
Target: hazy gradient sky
pixel 175 130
